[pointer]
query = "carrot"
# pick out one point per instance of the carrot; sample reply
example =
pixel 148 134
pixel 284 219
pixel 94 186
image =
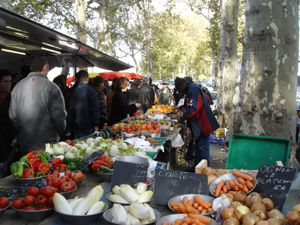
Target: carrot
pixel 204 211
pixel 173 223
pixel 187 220
pixel 249 185
pixel 185 224
pixel 196 222
pixel 176 208
pixel 195 205
pixel 236 188
pixel 240 186
pixel 202 219
pixel 231 183
pixel 191 209
pixel 219 188
pixel 209 210
pixel 235 182
pixel 191 202
pixel 200 208
pixel 165 223
pixel 214 191
pixel 201 202
pixel 182 208
pixel 242 175
pixel 245 189
pixel 232 192
pixel 178 222
pixel 185 200
pixel 227 185
pixel 225 190
pixel 241 180
pixel 174 203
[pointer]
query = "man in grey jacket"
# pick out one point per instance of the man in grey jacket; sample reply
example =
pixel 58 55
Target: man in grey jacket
pixel 37 108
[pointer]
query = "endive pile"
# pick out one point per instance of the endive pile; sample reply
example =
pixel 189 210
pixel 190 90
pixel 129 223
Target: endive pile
pixel 125 194
pixel 91 204
pixel 138 213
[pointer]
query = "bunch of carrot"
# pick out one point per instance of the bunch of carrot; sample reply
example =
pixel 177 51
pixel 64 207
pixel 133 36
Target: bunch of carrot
pixel 196 205
pixel 242 183
pixel 190 219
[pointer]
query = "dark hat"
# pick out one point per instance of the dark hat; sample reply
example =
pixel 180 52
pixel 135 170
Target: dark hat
pixel 179 82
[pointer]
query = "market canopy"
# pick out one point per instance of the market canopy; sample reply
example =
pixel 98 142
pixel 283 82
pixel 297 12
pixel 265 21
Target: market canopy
pixel 111 75
pixel 21 38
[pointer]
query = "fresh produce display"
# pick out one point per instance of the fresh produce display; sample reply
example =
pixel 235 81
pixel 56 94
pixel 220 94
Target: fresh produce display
pixel 242 183
pixel 190 219
pixel 32 165
pixel 125 194
pixel 293 217
pixel 102 163
pixel 36 199
pixel 3 202
pixel 88 205
pixel 66 163
pixel 63 183
pixel 195 205
pixel 81 148
pixel 251 210
pixel 138 126
pixel 113 134
pixel 138 213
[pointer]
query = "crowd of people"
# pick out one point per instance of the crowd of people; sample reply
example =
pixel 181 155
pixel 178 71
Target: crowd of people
pixel 37 111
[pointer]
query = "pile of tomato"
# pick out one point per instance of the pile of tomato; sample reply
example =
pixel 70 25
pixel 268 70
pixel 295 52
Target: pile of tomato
pixel 36 199
pixel 63 183
pixel 3 202
pixel 153 127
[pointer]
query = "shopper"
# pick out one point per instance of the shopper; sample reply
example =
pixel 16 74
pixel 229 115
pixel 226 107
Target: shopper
pixel 163 96
pixel 134 94
pixel 120 107
pixel 84 108
pixel 199 116
pixel 99 87
pixel 37 108
pixel 148 94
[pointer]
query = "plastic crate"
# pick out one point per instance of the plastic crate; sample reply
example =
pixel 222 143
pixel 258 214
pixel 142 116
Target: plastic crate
pixel 161 141
pixel 214 140
pixel 152 155
pixel 250 151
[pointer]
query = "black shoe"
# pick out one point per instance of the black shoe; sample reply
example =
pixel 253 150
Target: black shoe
pixel 189 157
pixel 192 169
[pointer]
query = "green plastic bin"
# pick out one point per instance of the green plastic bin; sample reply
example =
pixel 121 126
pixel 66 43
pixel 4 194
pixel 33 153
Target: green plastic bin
pixel 161 141
pixel 250 151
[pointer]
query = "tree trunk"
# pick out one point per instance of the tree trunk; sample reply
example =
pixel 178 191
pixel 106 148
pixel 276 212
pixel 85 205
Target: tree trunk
pixel 108 43
pixel 81 21
pixel 6 4
pixel 228 61
pixel 266 98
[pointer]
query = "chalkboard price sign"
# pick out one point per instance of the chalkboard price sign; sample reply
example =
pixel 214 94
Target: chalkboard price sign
pixel 274 182
pixel 170 183
pixel 128 173
pixel 87 160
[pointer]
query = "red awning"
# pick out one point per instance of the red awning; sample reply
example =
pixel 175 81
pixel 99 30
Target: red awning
pixel 111 75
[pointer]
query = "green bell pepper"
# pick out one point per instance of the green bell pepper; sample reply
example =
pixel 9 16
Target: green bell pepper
pixel 24 162
pixel 103 169
pixel 17 169
pixel 77 161
pixel 43 159
pixel 39 174
pixel 72 166
pixel 46 155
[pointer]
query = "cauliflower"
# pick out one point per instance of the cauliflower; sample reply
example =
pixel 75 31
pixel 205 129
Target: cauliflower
pixel 113 151
pixel 89 150
pixel 89 141
pixel 70 155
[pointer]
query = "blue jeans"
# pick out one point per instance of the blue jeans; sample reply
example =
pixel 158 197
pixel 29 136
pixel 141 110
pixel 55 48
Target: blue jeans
pixel 78 133
pixel 202 149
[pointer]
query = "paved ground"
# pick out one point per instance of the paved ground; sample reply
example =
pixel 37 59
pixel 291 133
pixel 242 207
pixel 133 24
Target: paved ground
pixel 217 159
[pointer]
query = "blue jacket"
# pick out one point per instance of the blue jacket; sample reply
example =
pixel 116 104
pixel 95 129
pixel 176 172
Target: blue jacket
pixel 198 112
pixel 84 107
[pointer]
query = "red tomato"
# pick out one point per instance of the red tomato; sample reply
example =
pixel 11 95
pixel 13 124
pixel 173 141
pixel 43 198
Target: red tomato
pixel 50 202
pixel 66 186
pixel 29 200
pixel 115 128
pixel 65 178
pixel 41 200
pixel 77 176
pixel 30 208
pixel 47 191
pixel 18 203
pixel 68 173
pixel 57 183
pixel 34 191
pixel 3 202
pixel 56 174
pixel 73 184
pixel 49 177
pixel 44 207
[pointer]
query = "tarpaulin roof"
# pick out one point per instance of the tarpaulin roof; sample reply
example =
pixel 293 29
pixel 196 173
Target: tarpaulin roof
pixel 24 38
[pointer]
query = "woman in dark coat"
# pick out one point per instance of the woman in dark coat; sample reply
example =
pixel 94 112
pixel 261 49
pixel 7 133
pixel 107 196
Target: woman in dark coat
pixel 120 107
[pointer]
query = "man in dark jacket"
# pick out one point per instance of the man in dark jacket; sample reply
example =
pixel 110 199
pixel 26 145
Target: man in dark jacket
pixel 84 108
pixel 199 116
pixel 134 94
pixel 148 94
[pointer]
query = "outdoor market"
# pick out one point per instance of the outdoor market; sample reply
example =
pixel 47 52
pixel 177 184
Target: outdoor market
pixel 120 148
